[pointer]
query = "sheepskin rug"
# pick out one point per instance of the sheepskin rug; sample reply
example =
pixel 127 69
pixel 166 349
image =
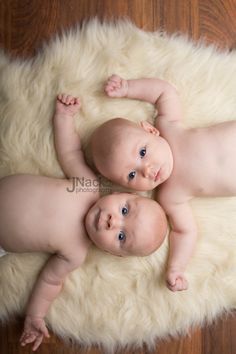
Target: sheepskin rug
pixel 118 301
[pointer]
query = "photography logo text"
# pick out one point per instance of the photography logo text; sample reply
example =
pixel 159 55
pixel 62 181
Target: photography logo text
pixel 82 184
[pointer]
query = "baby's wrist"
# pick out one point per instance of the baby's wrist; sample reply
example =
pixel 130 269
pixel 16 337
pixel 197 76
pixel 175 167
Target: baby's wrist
pixel 34 316
pixel 60 115
pixel 128 87
pixel 175 269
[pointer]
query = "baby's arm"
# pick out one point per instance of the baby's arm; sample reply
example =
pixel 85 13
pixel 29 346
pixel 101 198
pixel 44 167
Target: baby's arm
pixel 47 287
pixel 154 91
pixel 67 140
pixel 182 240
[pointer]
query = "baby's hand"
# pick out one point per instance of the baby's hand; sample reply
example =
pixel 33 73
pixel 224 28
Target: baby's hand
pixel 116 86
pixel 34 332
pixel 176 281
pixel 67 105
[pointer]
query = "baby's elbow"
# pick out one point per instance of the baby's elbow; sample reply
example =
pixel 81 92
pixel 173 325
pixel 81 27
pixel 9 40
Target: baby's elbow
pixel 171 89
pixel 52 280
pixel 186 232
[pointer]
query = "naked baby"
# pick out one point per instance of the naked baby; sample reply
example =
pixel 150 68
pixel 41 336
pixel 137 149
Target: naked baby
pixel 182 162
pixel 44 214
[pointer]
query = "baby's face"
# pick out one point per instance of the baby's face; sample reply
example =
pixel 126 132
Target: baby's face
pixel 125 224
pixel 140 158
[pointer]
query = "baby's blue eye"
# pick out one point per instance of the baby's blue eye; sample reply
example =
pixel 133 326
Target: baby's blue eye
pixel 124 210
pixel 142 152
pixel 132 175
pixel 121 236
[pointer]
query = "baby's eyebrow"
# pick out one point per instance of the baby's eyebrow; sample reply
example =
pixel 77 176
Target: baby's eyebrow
pixel 137 147
pixel 129 238
pixel 128 206
pixel 132 211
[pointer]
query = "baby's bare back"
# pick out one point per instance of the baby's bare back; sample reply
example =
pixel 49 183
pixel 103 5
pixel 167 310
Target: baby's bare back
pixel 39 214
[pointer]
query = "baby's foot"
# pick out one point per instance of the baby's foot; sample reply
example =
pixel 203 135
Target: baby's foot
pixel 67 104
pixel 116 86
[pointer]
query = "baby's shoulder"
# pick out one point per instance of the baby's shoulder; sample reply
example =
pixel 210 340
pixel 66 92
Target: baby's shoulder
pixel 169 127
pixel 75 249
pixel 170 194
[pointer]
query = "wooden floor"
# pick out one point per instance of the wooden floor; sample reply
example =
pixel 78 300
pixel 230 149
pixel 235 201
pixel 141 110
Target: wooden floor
pixel 25 24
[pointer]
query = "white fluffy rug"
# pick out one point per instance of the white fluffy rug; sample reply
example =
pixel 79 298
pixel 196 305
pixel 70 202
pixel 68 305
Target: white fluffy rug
pixel 113 301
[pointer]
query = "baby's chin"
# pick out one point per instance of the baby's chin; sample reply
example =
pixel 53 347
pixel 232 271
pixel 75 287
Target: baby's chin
pixel 106 250
pixel 147 187
pixel 123 253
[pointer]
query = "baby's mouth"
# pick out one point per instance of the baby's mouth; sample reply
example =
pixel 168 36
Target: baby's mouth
pixel 101 221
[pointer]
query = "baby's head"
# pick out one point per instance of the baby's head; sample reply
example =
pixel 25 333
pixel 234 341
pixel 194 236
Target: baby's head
pixel 132 155
pixel 126 224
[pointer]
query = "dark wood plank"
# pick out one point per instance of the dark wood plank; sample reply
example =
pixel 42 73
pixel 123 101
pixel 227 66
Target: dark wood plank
pixel 179 16
pixel 26 24
pixel 217 22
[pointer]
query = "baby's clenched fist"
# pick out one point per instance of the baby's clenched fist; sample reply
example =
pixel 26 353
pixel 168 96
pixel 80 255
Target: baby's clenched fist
pixel 116 86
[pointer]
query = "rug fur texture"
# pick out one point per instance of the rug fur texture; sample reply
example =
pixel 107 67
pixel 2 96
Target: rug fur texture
pixel 115 301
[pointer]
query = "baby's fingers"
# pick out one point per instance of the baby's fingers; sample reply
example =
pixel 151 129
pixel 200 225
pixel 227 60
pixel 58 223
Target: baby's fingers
pixel 112 93
pixel 171 279
pixel 69 99
pixel 37 342
pixel 171 287
pixel 44 331
pixel 77 101
pixel 114 78
pixel 109 91
pixel 179 285
pixel 27 338
pixel 112 86
pixel 184 284
pixel 66 99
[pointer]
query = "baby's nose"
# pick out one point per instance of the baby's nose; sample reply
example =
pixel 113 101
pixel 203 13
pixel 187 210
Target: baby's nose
pixel 147 171
pixel 112 221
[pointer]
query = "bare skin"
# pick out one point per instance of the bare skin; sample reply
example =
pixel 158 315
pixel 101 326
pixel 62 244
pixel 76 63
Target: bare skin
pixel 47 214
pixel 183 163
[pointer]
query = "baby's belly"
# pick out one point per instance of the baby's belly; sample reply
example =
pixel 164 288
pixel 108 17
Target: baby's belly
pixel 33 212
pixel 209 164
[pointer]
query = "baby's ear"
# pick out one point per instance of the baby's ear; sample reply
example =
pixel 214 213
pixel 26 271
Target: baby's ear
pixel 149 127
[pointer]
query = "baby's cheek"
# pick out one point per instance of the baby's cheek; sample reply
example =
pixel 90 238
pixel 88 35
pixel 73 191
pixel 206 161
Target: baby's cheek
pixel 99 239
